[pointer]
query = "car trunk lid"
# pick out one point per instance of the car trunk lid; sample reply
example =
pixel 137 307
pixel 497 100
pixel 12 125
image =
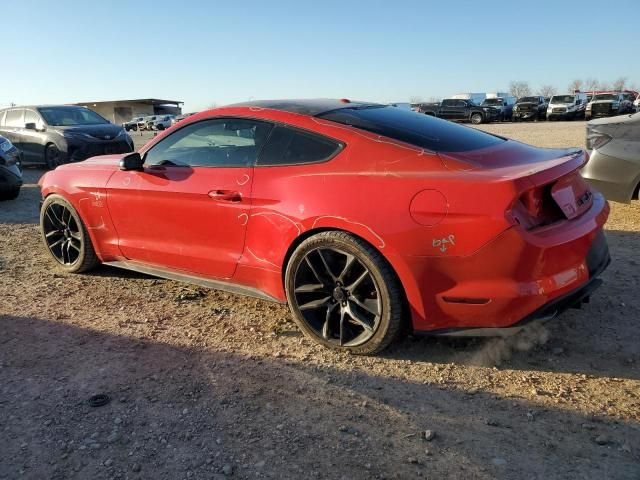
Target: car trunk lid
pixel 547 184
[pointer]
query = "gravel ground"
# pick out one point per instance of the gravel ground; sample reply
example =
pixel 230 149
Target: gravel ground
pixel 209 385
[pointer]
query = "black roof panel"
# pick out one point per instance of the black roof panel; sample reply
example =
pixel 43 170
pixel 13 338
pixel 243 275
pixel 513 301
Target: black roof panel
pixel 310 107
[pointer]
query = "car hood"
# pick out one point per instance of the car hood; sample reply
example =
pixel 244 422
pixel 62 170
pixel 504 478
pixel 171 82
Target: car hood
pixel 101 162
pixel 101 131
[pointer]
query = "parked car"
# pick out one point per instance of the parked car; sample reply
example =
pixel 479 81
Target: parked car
pixel 133 124
pixel 162 122
pixel 57 134
pixel 567 107
pixel 179 118
pixel 356 214
pixel 476 98
pixel 10 170
pixel 530 108
pixel 614 164
pixel 503 105
pixel 636 103
pixel 150 121
pixel 461 111
pixel 142 124
pixel 608 105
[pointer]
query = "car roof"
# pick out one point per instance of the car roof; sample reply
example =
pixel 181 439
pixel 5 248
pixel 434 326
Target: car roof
pixel 42 106
pixel 311 107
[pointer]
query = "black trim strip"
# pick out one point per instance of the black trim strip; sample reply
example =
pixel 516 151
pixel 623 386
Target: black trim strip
pixel 193 279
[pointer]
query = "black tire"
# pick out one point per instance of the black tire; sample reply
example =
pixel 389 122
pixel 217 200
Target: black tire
pixel 134 128
pixel 476 118
pixel 340 317
pixel 81 255
pixel 52 156
pixel 10 194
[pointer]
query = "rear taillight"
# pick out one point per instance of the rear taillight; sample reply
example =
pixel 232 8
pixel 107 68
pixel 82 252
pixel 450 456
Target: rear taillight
pixel 536 208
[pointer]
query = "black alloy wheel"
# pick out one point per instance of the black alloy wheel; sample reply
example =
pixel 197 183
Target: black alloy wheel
pixel 343 293
pixel 52 156
pixel 65 236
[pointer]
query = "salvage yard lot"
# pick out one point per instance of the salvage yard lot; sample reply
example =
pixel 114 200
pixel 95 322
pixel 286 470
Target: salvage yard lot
pixel 206 384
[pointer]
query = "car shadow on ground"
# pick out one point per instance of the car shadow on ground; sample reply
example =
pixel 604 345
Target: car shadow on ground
pixel 601 339
pixel 177 409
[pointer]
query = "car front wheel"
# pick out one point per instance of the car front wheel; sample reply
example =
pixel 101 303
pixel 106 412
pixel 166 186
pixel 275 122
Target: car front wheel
pixel 343 293
pixel 65 236
pixel 53 157
pixel 476 118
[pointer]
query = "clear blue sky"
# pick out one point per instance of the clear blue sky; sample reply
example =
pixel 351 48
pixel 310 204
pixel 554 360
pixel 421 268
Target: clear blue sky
pixel 205 52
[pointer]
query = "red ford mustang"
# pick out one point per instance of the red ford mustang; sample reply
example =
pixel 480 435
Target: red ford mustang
pixel 359 215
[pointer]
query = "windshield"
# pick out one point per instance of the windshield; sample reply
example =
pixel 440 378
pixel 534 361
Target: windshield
pixel 69 116
pixel 417 129
pixel 528 99
pixel 493 101
pixel 605 96
pixel 562 99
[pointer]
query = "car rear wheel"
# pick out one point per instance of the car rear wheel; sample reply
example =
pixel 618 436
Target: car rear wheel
pixel 343 293
pixel 52 156
pixel 65 236
pixel 476 118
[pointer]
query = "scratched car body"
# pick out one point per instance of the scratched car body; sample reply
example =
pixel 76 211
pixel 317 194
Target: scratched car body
pixel 365 218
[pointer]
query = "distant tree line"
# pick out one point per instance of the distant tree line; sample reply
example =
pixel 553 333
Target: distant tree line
pixel 521 88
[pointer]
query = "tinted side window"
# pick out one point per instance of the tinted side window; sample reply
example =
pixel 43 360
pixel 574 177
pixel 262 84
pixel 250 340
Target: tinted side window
pixel 449 103
pixel 423 131
pixel 223 142
pixel 14 118
pixel 289 146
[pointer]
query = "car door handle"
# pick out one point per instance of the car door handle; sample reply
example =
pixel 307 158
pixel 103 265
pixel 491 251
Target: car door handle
pixel 226 195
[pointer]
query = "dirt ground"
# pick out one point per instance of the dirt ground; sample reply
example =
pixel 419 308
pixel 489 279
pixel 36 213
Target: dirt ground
pixel 209 385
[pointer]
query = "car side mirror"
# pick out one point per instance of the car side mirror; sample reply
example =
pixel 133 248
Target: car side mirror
pixel 132 161
pixel 30 126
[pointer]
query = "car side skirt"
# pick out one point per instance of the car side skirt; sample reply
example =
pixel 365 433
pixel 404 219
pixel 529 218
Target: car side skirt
pixel 156 271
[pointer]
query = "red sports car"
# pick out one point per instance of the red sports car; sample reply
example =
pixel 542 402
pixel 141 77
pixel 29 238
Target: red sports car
pixel 359 215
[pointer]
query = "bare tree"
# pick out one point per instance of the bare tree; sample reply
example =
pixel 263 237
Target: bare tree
pixel 591 84
pixel 620 83
pixel 212 105
pixel 413 99
pixel 547 90
pixel 576 85
pixel 519 88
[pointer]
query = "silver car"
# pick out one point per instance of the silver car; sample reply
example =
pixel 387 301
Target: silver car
pixel 614 166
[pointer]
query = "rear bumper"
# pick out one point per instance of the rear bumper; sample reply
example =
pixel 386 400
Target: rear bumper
pixel 598 260
pixel 513 278
pixel 10 178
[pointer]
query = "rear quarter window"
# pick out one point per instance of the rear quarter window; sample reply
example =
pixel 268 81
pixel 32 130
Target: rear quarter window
pixel 414 128
pixel 290 146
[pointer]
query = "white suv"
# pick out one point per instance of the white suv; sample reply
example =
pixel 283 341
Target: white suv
pixel 161 122
pixel 567 107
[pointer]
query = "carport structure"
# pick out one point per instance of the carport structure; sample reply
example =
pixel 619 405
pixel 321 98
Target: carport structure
pixel 120 111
